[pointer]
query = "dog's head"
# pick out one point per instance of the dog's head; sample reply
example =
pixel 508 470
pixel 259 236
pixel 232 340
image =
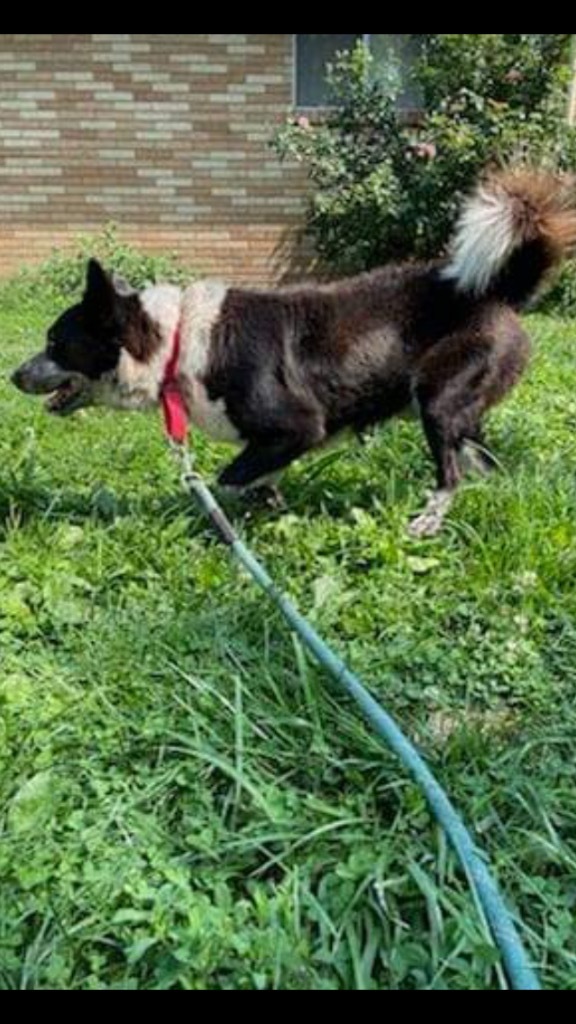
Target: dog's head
pixel 84 348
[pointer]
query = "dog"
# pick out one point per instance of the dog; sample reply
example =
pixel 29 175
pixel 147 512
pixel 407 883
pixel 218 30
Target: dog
pixel 282 371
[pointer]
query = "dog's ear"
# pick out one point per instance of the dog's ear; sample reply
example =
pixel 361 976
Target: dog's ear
pixel 103 298
pixel 99 285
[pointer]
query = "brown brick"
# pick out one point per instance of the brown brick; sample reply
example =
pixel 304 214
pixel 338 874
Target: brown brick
pixel 166 135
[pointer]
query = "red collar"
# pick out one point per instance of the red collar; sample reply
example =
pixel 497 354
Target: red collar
pixel 173 405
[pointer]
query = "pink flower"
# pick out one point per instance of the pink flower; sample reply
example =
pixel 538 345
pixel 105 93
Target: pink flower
pixel 425 150
pixel 303 122
pixel 514 76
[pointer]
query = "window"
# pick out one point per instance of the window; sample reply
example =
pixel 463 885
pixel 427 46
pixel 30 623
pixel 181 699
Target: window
pixel 315 52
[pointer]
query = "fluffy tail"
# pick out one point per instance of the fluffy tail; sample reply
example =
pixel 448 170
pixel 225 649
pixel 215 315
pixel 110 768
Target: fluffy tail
pixel 513 229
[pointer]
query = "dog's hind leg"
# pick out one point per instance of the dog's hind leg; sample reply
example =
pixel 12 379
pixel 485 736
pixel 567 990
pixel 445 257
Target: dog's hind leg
pixel 456 383
pixel 445 448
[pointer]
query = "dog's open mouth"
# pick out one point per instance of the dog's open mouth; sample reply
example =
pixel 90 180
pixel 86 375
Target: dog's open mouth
pixel 66 391
pixel 69 397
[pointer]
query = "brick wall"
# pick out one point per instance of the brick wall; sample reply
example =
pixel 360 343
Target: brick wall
pixel 166 135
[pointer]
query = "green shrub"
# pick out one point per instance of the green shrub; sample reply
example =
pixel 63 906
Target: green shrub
pixel 61 277
pixel 385 189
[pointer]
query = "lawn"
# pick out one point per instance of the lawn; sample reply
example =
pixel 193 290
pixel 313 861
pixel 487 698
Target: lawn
pixel 184 802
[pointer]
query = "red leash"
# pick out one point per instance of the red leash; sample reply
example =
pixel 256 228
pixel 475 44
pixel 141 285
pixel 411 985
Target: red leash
pixel 173 406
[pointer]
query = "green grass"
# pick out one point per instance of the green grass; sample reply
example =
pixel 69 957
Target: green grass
pixel 183 800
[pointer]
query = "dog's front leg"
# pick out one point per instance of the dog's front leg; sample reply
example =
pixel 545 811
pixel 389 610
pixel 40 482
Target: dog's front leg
pixel 259 462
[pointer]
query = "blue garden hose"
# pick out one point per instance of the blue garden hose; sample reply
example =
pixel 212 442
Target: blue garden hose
pixel 520 973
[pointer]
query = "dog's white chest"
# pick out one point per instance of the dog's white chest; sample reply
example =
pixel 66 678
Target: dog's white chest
pixel 210 417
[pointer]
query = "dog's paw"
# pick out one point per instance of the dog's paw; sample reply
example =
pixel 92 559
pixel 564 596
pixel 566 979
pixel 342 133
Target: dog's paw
pixel 266 495
pixel 260 496
pixel 429 524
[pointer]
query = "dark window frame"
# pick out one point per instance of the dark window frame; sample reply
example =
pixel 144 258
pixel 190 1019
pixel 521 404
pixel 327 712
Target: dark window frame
pixel 410 114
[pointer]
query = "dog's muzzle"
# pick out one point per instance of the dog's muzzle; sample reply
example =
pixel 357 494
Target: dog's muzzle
pixel 42 376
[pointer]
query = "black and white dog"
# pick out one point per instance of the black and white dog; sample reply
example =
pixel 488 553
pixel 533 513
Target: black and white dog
pixel 281 371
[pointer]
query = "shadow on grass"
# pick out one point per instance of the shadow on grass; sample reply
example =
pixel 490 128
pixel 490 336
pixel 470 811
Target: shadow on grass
pixel 330 484
pixel 26 495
